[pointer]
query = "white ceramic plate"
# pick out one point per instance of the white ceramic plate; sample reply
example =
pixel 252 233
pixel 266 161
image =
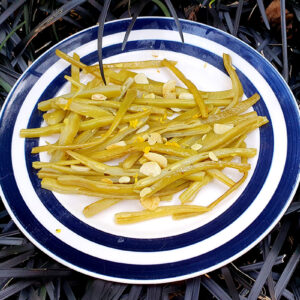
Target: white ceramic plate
pixel 159 250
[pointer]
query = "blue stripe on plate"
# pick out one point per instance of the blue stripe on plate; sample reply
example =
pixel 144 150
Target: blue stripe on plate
pixel 252 234
pixel 166 243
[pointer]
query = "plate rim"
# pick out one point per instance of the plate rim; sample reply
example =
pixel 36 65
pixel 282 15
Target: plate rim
pixel 40 246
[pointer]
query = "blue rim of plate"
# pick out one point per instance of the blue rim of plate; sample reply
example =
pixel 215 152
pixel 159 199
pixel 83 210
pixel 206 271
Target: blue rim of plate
pixel 168 271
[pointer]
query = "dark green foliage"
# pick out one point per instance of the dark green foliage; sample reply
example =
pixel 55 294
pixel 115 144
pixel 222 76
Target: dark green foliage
pixel 271 269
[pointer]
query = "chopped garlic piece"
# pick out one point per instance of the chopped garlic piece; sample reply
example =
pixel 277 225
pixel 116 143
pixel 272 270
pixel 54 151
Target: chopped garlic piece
pixel 204 137
pixel 142 129
pixel 145 191
pixel 222 128
pixel 150 168
pixel 141 78
pixel 170 95
pixel 98 97
pixel 154 138
pixel 116 145
pixel 160 159
pixel 196 146
pixel 150 202
pixel 168 88
pixel 186 96
pixel 124 179
pixel 175 109
pixel 213 156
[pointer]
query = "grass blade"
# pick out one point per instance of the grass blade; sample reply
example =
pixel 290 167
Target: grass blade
pixel 10 10
pixel 238 17
pixel 15 288
pixel 101 22
pixel 174 15
pixel 192 288
pixel 287 273
pixel 33 273
pixel 214 288
pixel 68 291
pixel 263 13
pixel 285 71
pixel 135 292
pixel 269 262
pixel 230 283
pixel 17 260
pixel 153 292
pixel 139 9
pixel 51 19
pixel 10 34
pixel 162 7
pixel 5 85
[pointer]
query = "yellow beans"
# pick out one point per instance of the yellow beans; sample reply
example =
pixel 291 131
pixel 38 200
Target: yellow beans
pixel 168 139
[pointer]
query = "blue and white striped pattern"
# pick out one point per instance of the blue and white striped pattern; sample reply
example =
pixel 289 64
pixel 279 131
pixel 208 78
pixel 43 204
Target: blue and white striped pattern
pixel 158 250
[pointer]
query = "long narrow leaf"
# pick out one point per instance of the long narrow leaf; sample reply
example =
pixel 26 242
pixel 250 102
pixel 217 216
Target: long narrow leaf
pixel 10 34
pixel 162 7
pixel 139 9
pixel 5 85
pixel 10 10
pixel 68 291
pixel 287 273
pixel 17 260
pixel 285 71
pixel 55 15
pixel 174 15
pixel 135 292
pixel 263 13
pixel 214 288
pixel 266 269
pixel 192 288
pixel 238 17
pixel 33 273
pixel 15 288
pixel 230 283
pixel 101 22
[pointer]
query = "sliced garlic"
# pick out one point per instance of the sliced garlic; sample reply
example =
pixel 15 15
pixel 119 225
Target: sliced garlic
pixel 142 129
pixel 98 97
pixel 213 156
pixel 141 78
pixel 175 109
pixel 116 145
pixel 160 159
pixel 222 128
pixel 186 96
pixel 150 168
pixel 196 146
pixel 145 191
pixel 168 88
pixel 124 179
pixel 170 95
pixel 154 138
pixel 150 203
pixel 149 96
